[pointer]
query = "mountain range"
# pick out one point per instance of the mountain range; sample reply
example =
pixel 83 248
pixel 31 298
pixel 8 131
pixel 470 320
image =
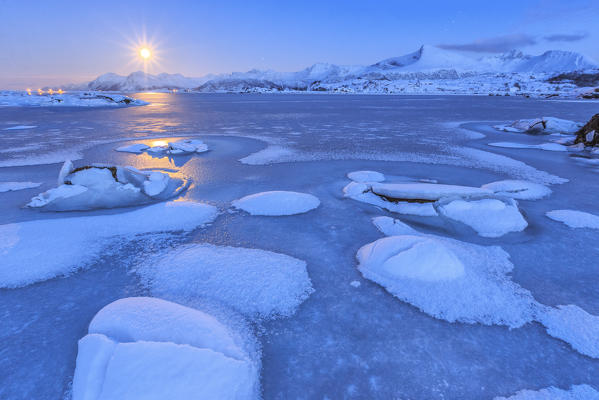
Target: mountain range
pixel 430 69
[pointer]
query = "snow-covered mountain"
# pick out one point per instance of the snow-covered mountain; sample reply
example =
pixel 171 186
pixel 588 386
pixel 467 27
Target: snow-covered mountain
pixel 430 69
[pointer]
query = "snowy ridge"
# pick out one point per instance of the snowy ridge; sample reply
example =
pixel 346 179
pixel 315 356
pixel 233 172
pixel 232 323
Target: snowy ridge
pixel 430 69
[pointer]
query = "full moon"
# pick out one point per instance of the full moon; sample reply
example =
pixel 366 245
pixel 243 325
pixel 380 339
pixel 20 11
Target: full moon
pixel 145 53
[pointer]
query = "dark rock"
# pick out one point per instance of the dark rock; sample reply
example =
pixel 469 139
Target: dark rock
pixel 589 133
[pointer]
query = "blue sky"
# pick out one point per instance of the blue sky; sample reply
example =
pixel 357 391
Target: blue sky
pixel 60 41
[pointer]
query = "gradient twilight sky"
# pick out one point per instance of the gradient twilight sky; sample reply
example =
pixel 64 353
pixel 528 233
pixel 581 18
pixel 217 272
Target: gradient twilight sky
pixel 61 41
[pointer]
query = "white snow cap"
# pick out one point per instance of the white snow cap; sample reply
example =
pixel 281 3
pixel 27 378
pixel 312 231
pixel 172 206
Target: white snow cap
pixel 425 191
pixel 257 283
pixel 53 247
pixel 276 203
pixel 147 348
pixel 575 219
pixel 518 189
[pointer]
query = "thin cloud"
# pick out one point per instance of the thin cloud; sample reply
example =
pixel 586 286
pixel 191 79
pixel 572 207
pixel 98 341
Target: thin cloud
pixel 497 44
pixel 566 37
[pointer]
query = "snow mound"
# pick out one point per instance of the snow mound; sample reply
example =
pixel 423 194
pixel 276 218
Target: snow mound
pixel 363 192
pixel 146 348
pixel 489 217
pixel 38 250
pixel 575 326
pixel 366 176
pixel 541 125
pixel 542 146
pixel 255 282
pixel 276 203
pixel 12 186
pixel 424 192
pixel 102 186
pixel 576 392
pixel 391 227
pixel 517 189
pixel 448 279
pixel 575 219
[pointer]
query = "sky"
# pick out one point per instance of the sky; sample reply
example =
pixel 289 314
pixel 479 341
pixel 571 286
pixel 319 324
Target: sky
pixel 63 41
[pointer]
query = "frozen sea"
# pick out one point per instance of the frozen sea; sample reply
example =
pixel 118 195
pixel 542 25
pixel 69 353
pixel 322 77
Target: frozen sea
pixel 346 340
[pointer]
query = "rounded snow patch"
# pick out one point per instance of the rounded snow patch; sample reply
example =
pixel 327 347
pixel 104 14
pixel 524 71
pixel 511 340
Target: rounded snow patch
pixel 276 203
pixel 366 176
pixel 517 189
pixel 252 281
pixel 141 348
pixel 575 219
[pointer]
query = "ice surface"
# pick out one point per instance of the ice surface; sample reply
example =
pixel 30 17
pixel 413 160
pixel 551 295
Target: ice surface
pixel 448 279
pixel 366 176
pixel 487 216
pixel 147 348
pixel 575 219
pixel 574 326
pixel 37 250
pixel 392 227
pixel 542 146
pixel 255 282
pixel 518 189
pixel 12 186
pixel 576 392
pixel 106 187
pixel 275 203
pixel 270 154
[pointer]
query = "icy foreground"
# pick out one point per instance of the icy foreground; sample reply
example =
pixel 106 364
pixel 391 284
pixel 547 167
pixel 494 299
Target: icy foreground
pixel 38 250
pixel 462 282
pixel 277 203
pixel 106 186
pixel 256 283
pixel 76 99
pixel 576 392
pixel 147 348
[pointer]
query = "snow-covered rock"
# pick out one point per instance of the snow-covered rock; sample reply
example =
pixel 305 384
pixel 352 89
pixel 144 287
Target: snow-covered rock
pixel 75 99
pixel 366 176
pixel 576 392
pixel 489 217
pixel 12 186
pixel 54 247
pixel 256 283
pixel 448 279
pixel 424 192
pixel 102 186
pixel 363 192
pixel 275 203
pixel 147 348
pixel 518 189
pixel 575 219
pixel 542 125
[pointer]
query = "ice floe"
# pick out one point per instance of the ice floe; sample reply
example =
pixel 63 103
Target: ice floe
pixel 448 279
pixel 518 189
pixel 147 348
pixel 542 146
pixel 423 192
pixel 489 217
pixel 37 250
pixel 12 186
pixel 19 127
pixel 256 283
pixel 179 147
pixel 464 282
pixel 576 392
pixel 541 125
pixel 75 99
pixel 366 176
pixel 106 186
pixel 276 203
pixel 575 219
